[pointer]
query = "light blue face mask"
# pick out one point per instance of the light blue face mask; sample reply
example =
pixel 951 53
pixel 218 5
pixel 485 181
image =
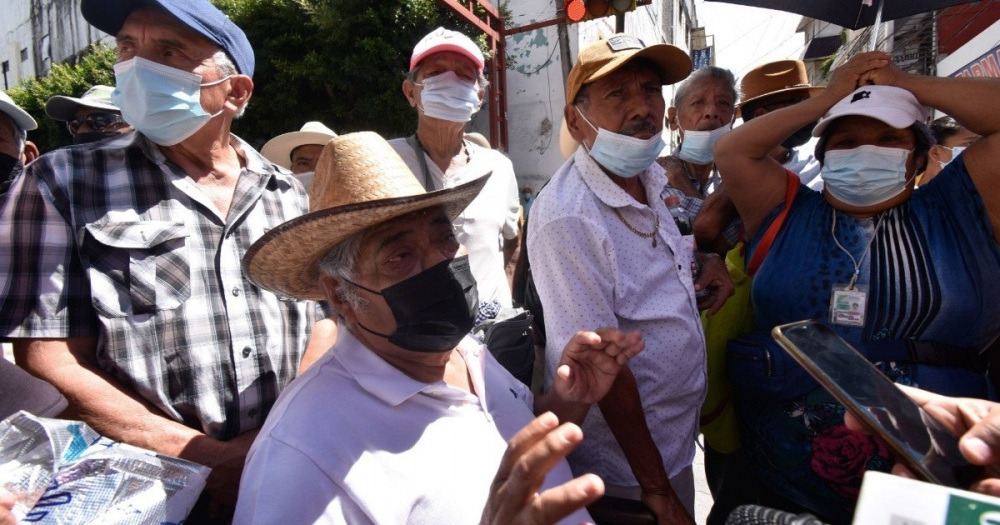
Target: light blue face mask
pixel 623 155
pixel 866 175
pixel 954 153
pixel 698 147
pixel 447 97
pixel 162 102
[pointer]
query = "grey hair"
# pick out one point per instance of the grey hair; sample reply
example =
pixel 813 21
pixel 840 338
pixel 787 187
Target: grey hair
pixel 225 66
pixel 700 75
pixel 341 262
pixel 20 135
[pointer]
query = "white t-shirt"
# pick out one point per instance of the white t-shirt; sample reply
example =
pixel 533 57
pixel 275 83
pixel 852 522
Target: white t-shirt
pixel 591 271
pixel 354 440
pixel 487 221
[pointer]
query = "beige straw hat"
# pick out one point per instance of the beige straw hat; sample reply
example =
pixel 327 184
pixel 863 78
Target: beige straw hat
pixel 360 182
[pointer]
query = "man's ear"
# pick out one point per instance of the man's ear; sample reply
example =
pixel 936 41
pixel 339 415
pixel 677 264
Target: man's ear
pixel 574 122
pixel 30 152
pixel 672 118
pixel 240 92
pixel 344 309
pixel 410 92
pixel 759 112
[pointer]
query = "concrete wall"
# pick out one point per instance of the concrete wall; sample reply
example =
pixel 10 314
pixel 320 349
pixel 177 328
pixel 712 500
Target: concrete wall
pixel 50 32
pixel 535 85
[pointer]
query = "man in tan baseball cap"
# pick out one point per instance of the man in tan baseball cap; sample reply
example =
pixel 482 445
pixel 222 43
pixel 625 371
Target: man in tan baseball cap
pixel 614 257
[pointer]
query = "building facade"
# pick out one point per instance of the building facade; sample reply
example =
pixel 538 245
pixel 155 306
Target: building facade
pixel 34 34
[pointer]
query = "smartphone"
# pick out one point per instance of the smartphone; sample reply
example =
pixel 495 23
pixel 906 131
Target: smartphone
pixel 917 440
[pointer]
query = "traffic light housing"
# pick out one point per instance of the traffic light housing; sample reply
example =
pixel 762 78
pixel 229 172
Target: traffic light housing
pixel 583 10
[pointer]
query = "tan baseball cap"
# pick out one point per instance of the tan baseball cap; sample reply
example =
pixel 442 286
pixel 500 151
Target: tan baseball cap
pixel 605 56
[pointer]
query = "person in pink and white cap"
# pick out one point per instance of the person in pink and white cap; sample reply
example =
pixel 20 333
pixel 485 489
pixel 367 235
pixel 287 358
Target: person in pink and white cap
pixel 446 85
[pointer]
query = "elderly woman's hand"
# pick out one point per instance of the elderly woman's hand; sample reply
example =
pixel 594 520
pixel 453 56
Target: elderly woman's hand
pixel 854 73
pixel 713 277
pixel 887 75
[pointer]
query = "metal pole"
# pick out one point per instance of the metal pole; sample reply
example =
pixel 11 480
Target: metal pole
pixel 620 23
pixel 875 28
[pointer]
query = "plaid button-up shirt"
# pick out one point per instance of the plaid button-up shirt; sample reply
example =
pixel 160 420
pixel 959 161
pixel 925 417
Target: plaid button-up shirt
pixel 115 241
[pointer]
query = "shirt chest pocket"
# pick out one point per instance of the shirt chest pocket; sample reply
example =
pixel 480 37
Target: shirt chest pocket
pixel 137 267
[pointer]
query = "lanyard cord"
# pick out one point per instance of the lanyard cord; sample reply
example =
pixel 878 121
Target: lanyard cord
pixel 857 264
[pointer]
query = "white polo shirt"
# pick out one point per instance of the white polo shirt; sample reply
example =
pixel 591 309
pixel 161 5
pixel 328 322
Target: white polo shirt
pixel 354 440
pixel 591 270
pixel 488 220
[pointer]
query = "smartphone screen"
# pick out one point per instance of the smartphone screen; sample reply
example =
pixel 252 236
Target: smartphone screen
pixel 926 447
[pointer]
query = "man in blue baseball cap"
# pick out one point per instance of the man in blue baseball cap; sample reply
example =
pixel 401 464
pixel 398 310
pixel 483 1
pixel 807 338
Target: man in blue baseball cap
pixel 132 302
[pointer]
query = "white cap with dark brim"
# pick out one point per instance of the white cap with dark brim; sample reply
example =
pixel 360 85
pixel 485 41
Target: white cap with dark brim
pixel 895 106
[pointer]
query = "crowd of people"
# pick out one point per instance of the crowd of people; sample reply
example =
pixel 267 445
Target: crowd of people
pixel 299 320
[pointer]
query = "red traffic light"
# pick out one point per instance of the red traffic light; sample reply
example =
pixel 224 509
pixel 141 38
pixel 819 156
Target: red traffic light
pixel 576 10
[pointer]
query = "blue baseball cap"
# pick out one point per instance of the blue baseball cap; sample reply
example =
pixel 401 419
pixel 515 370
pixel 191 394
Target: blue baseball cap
pixel 201 16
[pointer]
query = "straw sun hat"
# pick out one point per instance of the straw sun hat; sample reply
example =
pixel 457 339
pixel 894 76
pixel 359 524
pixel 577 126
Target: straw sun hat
pixel 360 182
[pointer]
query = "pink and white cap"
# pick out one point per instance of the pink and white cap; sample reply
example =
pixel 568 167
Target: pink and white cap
pixel 895 106
pixel 442 39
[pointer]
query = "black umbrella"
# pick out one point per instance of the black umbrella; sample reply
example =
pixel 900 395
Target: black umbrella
pixel 852 14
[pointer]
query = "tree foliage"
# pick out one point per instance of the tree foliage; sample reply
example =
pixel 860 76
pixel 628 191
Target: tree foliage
pixel 95 67
pixel 341 62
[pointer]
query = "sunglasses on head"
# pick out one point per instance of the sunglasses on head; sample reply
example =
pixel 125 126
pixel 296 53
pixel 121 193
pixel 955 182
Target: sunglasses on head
pixel 96 121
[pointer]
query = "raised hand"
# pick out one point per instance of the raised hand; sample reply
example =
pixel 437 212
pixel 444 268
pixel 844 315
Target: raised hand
pixel 530 455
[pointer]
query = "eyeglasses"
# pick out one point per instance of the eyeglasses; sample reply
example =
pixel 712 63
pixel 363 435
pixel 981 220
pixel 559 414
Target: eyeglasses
pixel 96 121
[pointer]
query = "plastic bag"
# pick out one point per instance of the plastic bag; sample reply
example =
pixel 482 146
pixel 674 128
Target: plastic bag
pixel 64 472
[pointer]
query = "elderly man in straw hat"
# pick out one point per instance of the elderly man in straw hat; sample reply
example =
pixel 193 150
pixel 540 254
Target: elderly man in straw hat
pixel 445 85
pixel 613 257
pixel 406 418
pixel 299 151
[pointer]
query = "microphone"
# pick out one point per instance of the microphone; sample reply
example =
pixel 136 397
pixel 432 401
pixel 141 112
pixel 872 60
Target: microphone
pixel 757 515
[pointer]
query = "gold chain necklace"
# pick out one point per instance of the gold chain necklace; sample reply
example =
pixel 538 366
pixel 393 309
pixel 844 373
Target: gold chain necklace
pixel 650 235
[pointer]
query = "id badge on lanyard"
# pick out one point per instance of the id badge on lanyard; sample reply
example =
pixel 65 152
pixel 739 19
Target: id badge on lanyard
pixel 848 301
pixel 847 304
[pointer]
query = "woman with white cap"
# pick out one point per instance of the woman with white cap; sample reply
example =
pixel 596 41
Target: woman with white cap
pixel 924 267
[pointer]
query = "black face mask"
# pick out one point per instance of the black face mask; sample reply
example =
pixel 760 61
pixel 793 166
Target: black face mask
pixel 800 137
pixel 10 168
pixel 93 136
pixel 434 309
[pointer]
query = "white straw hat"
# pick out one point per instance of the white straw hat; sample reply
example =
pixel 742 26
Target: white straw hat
pixel 279 149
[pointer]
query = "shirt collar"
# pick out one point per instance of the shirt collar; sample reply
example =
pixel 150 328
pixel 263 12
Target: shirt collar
pixel 388 383
pixel 606 190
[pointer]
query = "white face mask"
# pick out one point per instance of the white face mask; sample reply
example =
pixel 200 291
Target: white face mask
pixel 866 175
pixel 954 153
pixel 448 97
pixel 698 147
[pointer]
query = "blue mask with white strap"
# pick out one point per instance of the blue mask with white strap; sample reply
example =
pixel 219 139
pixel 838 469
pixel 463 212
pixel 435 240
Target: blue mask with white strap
pixel 162 102
pixel 623 155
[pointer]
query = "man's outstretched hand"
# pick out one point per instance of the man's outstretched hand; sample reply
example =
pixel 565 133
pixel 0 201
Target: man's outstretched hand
pixel 531 454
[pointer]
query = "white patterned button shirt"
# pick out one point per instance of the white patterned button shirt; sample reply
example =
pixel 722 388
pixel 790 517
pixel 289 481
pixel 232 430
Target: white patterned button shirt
pixel 114 241
pixel 592 271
